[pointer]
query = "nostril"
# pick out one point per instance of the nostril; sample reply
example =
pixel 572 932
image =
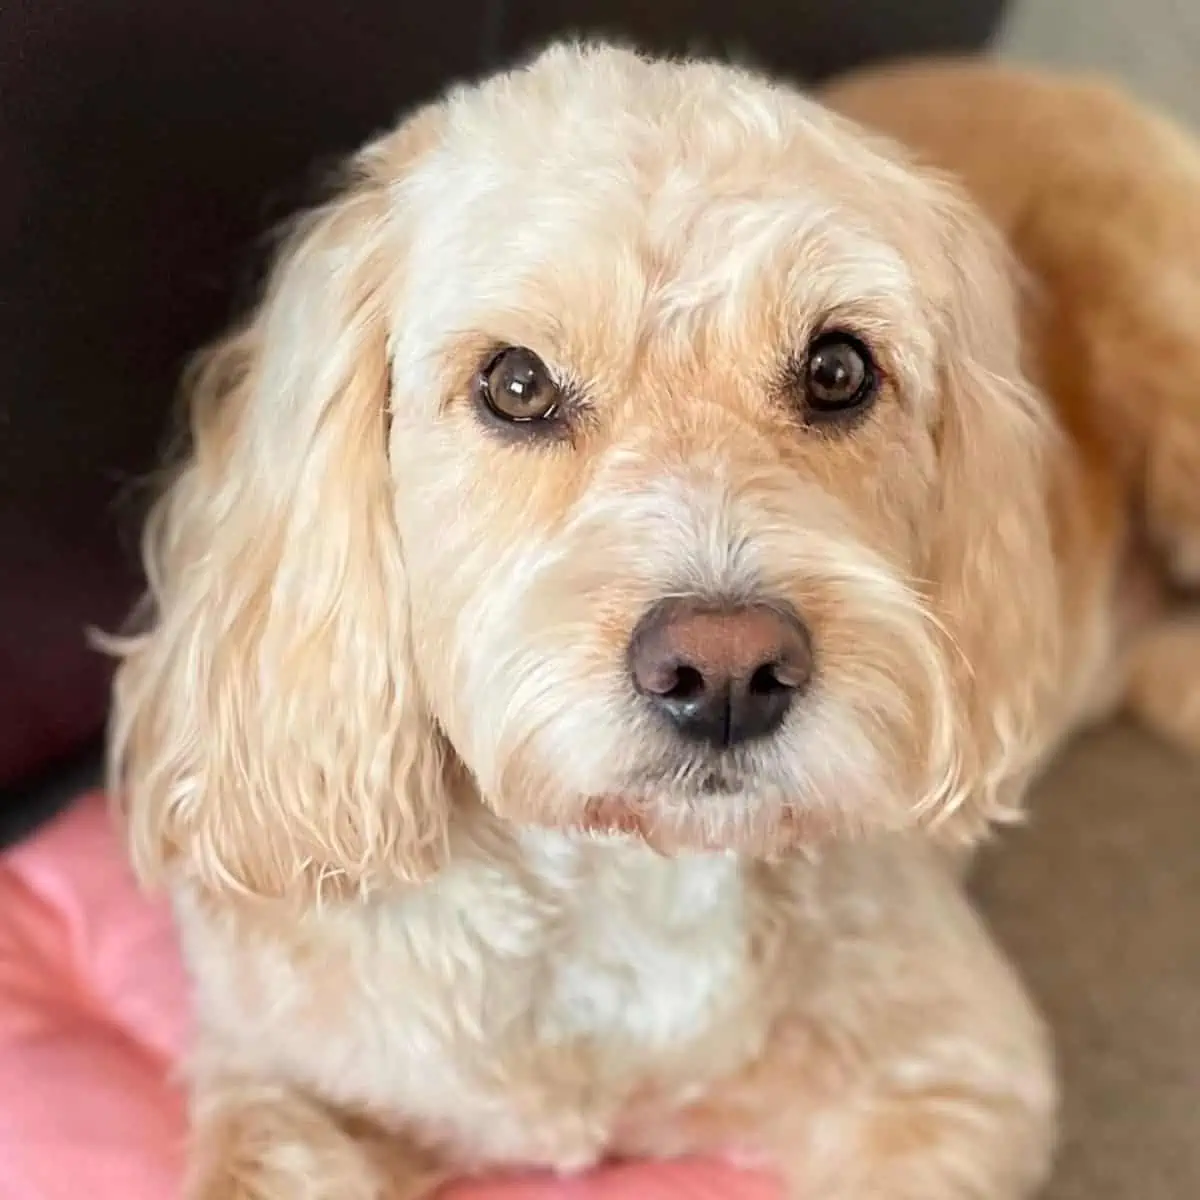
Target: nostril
pixel 687 685
pixel 668 680
pixel 770 680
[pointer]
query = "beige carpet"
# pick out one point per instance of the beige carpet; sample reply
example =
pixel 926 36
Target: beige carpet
pixel 1098 899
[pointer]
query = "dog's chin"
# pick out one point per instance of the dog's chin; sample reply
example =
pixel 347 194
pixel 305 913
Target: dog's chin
pixel 711 811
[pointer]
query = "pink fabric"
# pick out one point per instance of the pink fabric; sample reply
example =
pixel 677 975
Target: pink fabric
pixel 93 1016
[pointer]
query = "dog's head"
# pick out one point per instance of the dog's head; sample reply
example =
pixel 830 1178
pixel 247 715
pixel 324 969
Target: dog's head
pixel 630 445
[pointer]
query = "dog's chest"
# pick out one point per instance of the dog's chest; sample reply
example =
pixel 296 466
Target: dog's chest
pixel 510 1009
pixel 585 986
pixel 639 949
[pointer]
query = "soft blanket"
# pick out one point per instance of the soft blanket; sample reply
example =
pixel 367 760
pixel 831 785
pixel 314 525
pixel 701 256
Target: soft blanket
pixel 93 1020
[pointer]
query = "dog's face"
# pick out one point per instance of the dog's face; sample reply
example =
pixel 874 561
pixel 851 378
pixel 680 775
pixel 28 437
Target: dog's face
pixel 630 439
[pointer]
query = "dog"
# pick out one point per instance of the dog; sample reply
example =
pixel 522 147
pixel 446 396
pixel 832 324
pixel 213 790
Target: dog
pixel 1098 197
pixel 620 568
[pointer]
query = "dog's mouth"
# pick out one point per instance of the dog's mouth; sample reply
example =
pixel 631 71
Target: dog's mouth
pixel 638 809
pixel 705 776
pixel 715 782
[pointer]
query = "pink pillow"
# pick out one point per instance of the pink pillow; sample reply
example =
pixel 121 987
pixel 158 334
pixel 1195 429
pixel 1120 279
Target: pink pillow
pixel 93 1015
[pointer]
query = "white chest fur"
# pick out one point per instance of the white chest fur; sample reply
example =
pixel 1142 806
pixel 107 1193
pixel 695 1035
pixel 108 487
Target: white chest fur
pixel 508 1005
pixel 647 950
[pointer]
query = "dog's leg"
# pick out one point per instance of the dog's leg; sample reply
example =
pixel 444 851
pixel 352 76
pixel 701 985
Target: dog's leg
pixel 937 1140
pixel 253 1141
pixel 928 1125
pixel 907 1062
pixel 1164 680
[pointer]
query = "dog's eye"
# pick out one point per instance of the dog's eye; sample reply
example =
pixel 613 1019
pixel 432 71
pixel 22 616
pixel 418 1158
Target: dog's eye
pixel 516 386
pixel 839 376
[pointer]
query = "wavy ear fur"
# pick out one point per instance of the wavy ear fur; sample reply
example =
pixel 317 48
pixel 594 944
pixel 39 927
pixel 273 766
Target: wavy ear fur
pixel 992 561
pixel 269 734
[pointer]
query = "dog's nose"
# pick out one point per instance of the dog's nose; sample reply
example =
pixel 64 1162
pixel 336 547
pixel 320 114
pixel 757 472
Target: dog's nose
pixel 722 675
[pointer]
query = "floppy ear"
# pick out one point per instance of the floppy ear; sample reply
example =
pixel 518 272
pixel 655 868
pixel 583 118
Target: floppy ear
pixel 269 734
pixel 991 562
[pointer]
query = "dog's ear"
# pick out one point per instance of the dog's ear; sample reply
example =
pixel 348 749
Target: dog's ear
pixel 991 564
pixel 269 733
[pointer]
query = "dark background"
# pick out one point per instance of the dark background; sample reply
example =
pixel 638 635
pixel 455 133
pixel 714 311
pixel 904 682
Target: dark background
pixel 145 148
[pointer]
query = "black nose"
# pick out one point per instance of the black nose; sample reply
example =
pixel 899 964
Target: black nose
pixel 722 675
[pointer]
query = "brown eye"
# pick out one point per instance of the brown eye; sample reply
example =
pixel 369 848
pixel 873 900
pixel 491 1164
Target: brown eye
pixel 839 376
pixel 516 386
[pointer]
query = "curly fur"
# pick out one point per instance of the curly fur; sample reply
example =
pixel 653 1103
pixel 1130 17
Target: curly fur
pixel 451 899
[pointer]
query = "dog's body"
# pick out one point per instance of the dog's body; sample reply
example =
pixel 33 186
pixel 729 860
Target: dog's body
pixel 456 895
pixel 847 1022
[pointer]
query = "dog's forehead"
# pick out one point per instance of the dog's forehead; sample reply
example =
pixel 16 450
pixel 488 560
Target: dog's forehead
pixel 588 211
